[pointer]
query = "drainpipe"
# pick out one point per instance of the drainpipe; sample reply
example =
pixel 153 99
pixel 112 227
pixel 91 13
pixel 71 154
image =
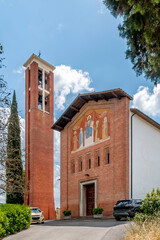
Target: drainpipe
pixel 132 155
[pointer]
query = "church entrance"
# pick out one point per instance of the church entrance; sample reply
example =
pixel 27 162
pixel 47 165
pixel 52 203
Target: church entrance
pixel 88 197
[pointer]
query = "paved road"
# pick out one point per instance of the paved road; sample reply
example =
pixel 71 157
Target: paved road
pixel 78 229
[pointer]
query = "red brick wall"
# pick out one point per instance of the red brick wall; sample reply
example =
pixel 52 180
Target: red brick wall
pixel 113 178
pixel 39 148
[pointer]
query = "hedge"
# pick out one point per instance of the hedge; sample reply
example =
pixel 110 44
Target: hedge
pixel 13 218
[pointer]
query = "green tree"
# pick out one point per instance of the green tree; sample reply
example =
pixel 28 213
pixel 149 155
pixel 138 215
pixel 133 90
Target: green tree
pixel 4 109
pixel 4 94
pixel 151 203
pixel 14 168
pixel 141 29
pixel 150 207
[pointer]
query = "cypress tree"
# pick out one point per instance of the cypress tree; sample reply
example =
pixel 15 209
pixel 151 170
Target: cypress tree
pixel 14 168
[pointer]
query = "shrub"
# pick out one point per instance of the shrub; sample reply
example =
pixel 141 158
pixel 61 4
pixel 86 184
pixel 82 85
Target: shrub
pixel 98 210
pixel 14 218
pixel 67 212
pixel 150 207
pixel 151 203
pixel 4 224
pixel 140 218
pixel 147 222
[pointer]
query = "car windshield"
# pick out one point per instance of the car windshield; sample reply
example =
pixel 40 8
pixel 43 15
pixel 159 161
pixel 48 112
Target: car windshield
pixel 35 210
pixel 138 201
pixel 124 202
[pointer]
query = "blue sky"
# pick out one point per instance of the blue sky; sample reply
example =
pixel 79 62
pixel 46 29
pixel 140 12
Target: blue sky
pixel 80 34
pixel 81 39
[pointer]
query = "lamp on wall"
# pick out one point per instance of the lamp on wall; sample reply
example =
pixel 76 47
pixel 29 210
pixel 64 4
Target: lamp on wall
pixel 87 175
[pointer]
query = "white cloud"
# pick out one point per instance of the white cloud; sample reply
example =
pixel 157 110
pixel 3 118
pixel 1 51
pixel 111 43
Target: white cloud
pixel 67 81
pixel 22 128
pixel 56 147
pixel 20 70
pixel 56 168
pixel 57 185
pixel 4 114
pixel 146 101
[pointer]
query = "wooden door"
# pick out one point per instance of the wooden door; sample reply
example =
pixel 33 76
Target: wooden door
pixel 90 199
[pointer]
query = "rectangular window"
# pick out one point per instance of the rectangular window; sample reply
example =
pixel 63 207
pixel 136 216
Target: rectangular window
pixel 80 163
pixel 46 81
pixel 40 101
pixel 73 166
pixel 43 91
pixel 47 103
pixel 29 99
pixel 89 163
pixel 88 160
pixel 97 158
pixel 98 161
pixel 106 156
pixel 40 78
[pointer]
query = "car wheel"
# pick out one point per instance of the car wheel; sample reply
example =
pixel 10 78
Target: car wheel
pixel 118 218
pixel 43 222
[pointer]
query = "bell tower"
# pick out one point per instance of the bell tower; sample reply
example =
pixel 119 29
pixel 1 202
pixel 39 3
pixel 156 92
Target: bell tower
pixel 39 135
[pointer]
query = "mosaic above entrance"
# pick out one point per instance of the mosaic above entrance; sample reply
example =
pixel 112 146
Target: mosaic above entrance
pixel 92 128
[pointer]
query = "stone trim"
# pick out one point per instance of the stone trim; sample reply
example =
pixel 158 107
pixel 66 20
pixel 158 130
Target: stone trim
pixel 82 212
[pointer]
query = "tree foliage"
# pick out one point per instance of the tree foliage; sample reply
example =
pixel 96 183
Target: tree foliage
pixel 4 107
pixel 4 94
pixel 150 207
pixel 151 203
pixel 14 168
pixel 10 156
pixel 141 28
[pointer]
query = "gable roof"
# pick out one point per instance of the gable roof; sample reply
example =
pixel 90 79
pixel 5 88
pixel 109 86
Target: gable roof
pixel 81 99
pixel 145 117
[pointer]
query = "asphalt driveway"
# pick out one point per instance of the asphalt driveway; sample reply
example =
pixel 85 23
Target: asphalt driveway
pixel 78 229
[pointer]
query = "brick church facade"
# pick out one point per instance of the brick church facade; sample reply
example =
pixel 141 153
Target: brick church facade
pixel 108 152
pixel 95 152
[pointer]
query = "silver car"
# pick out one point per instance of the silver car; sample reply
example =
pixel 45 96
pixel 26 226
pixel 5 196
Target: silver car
pixel 37 215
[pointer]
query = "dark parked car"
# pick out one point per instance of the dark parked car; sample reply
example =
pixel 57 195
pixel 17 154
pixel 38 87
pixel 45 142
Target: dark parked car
pixel 126 208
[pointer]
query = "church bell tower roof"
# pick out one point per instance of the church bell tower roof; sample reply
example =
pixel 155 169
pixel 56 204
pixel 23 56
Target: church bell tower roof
pixel 40 61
